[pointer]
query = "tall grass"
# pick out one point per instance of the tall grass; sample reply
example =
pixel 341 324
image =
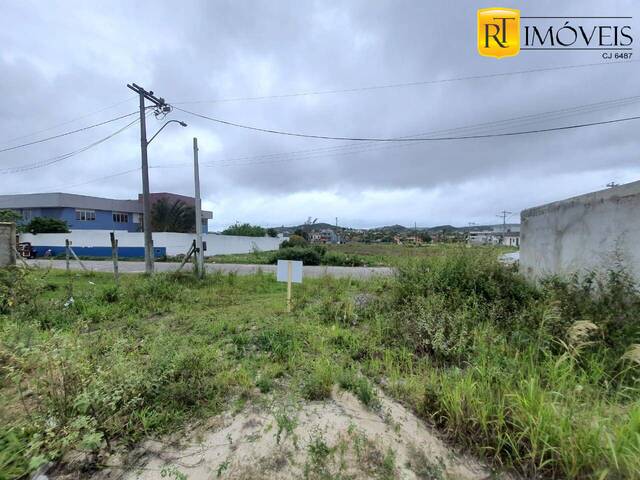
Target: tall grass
pixel 539 379
pixel 501 375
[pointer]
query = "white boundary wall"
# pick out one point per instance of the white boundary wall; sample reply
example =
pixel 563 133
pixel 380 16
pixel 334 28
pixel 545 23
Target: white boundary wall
pixel 582 233
pixel 175 243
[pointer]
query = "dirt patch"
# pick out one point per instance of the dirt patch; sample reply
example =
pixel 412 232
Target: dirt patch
pixel 338 438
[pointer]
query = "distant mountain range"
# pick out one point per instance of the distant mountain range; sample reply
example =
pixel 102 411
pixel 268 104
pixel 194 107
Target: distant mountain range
pixel 401 228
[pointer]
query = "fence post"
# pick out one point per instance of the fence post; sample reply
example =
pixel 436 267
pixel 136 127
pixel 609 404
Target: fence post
pixel 66 252
pixel 114 255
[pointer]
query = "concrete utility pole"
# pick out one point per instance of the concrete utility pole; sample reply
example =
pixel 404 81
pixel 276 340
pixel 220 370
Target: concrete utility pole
pixel 196 177
pixel 160 106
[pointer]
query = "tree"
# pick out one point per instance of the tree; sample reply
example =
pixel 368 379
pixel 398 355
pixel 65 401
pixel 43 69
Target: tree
pixel 302 233
pixel 425 237
pixel 245 229
pixel 167 216
pixel 272 232
pixel 9 216
pixel 294 241
pixel 46 225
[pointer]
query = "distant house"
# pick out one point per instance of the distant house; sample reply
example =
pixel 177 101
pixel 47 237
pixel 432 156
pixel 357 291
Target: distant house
pixel 511 239
pixel 326 235
pixel 490 237
pixel 82 212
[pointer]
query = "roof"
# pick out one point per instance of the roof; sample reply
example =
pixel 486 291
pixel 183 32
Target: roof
pixel 70 200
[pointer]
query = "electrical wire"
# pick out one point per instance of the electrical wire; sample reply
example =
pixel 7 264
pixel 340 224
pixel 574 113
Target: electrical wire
pixel 407 84
pixel 504 123
pixel 68 187
pixel 351 148
pixel 70 121
pixel 405 139
pixel 88 127
pixel 59 158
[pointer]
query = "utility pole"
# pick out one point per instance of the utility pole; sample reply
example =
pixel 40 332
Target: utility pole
pixel 162 107
pixel 504 215
pixel 196 178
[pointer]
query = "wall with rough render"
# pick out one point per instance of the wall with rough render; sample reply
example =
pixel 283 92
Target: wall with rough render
pixel 582 233
pixel 7 244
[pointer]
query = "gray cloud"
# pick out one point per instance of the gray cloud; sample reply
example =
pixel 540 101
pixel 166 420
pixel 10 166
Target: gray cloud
pixel 72 59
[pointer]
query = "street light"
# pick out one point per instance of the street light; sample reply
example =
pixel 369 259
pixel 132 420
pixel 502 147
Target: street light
pixel 146 196
pixel 182 124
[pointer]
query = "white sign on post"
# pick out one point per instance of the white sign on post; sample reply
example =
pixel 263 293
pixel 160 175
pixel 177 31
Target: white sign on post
pixel 289 271
pixel 283 271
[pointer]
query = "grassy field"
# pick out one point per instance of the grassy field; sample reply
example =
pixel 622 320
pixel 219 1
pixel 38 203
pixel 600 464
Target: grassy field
pixel 368 254
pixel 539 380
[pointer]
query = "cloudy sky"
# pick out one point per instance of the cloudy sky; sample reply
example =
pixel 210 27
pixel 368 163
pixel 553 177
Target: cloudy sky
pixel 66 65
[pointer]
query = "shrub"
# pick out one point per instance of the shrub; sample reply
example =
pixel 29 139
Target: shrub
pixel 246 230
pixel 436 301
pixel 294 241
pixel 342 260
pixel 46 225
pixel 308 255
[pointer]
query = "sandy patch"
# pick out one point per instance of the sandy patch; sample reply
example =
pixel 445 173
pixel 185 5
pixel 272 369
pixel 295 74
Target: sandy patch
pixel 336 438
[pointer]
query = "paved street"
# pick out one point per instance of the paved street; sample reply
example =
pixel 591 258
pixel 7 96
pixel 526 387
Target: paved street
pixel 138 267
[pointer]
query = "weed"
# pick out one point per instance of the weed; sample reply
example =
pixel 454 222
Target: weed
pixel 287 425
pixel 423 467
pixel 171 471
pixel 223 467
pixel 360 386
pixel 319 381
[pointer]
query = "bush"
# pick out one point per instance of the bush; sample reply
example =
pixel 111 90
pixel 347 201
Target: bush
pixel 308 255
pixel 246 230
pixel 46 225
pixel 294 241
pixel 343 260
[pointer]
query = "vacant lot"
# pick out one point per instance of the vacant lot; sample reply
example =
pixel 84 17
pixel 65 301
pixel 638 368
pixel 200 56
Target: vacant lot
pixel 542 381
pixel 365 254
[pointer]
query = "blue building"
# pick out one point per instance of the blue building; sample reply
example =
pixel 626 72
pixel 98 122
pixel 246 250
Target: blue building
pixel 82 212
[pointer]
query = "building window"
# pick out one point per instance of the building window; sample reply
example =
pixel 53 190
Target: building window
pixel 119 217
pixel 85 215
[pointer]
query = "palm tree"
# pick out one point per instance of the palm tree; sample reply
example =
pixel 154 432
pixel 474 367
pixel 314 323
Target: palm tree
pixel 173 217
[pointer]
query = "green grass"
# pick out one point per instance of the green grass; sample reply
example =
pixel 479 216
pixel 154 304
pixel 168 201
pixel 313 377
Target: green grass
pixel 371 254
pixel 460 339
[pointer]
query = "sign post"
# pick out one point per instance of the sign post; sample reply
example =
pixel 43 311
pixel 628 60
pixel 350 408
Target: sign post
pixel 289 271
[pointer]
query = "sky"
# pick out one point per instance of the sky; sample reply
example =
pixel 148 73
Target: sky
pixel 65 65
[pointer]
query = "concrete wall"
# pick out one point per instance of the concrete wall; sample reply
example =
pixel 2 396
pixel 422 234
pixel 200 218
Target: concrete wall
pixel 7 244
pixel 582 233
pixel 173 243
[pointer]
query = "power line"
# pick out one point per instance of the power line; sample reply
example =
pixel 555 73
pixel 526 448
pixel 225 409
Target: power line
pixel 88 127
pixel 59 158
pixel 407 84
pixel 351 148
pixel 67 122
pixel 361 147
pixel 93 180
pixel 107 177
pixel 404 139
